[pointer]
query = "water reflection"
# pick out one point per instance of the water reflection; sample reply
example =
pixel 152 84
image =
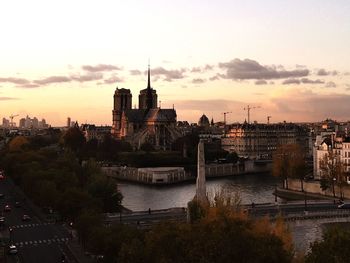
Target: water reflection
pixel 257 188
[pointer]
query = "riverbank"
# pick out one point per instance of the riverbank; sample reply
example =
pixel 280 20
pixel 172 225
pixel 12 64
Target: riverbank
pixel 289 195
pixel 174 175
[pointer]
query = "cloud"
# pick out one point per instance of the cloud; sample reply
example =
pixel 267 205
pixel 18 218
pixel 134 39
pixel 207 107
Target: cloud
pixel 100 67
pixel 135 72
pixel 208 105
pixel 305 105
pixel 291 81
pixel 249 69
pixel 216 77
pixel 169 75
pixel 19 81
pixel 198 81
pixel 330 84
pixel 8 98
pixel 87 77
pixel 113 80
pixel 260 82
pixel 323 72
pixel 52 79
pixel 28 86
pixel 310 81
pixel 207 67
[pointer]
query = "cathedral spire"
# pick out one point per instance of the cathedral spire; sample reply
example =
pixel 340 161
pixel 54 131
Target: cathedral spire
pixel 149 77
pixel 149 95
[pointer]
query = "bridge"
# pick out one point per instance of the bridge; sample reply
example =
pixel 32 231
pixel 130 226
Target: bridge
pixel 291 212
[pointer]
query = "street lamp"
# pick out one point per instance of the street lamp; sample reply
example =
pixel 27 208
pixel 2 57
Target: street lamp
pixel 275 193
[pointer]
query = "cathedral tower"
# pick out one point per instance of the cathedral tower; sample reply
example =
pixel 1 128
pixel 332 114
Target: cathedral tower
pixel 122 102
pixel 148 97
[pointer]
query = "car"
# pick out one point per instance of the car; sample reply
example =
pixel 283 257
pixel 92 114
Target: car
pixel 343 206
pixel 17 204
pixel 2 220
pixel 26 218
pixel 2 195
pixel 12 250
pixel 7 208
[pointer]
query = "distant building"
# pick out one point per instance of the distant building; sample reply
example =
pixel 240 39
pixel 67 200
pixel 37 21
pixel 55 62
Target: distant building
pixel 326 143
pixel 22 123
pixel 5 123
pixel 203 121
pixel 91 131
pixel 259 141
pixel 148 124
pixel 68 122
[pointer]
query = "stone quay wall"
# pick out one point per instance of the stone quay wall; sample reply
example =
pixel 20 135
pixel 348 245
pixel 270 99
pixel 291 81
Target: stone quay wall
pixel 170 175
pixel 313 187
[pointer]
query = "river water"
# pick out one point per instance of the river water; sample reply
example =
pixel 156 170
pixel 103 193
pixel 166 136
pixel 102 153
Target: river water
pixel 257 188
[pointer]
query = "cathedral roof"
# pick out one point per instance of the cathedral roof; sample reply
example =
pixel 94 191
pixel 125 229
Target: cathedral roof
pixel 160 115
pixel 153 115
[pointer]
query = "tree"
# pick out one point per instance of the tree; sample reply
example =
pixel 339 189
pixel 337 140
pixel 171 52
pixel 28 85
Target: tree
pixel 333 172
pixel 18 143
pixel 74 139
pixel 333 248
pixel 289 162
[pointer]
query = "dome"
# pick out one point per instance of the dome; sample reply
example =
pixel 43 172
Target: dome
pixel 203 121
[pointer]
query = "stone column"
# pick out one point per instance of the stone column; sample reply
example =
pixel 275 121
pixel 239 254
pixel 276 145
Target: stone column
pixel 201 192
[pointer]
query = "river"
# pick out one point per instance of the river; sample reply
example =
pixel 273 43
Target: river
pixel 257 188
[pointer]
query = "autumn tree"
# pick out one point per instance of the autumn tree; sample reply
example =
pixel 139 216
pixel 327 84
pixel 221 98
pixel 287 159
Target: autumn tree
pixel 333 248
pixel 333 172
pixel 289 162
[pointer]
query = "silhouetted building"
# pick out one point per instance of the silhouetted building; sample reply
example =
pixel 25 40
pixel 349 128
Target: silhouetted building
pixel 148 124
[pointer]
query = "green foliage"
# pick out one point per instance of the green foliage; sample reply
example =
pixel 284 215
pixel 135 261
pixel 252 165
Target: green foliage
pixel 334 248
pixel 74 139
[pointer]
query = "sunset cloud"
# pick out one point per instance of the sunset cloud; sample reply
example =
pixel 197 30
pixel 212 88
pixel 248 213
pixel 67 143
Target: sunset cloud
pixel 8 98
pixel 87 77
pixel 100 67
pixel 113 80
pixel 19 81
pixel 135 72
pixel 52 79
pixel 331 84
pixel 260 82
pixel 250 69
pixel 323 72
pixel 310 81
pixel 168 75
pixel 291 81
pixel 198 81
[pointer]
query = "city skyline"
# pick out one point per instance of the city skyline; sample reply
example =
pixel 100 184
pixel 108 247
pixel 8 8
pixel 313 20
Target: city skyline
pixel 290 58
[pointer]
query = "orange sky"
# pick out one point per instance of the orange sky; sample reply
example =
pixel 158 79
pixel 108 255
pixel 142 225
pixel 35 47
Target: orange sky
pixel 66 58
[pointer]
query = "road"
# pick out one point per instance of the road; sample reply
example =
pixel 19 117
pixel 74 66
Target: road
pixel 36 240
pixel 291 208
pixel 145 219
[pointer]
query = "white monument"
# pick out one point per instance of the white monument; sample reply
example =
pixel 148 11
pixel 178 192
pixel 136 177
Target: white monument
pixel 201 191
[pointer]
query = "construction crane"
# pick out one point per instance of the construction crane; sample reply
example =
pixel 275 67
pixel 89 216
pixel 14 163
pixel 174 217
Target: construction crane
pixel 227 112
pixel 268 119
pixel 248 108
pixel 12 124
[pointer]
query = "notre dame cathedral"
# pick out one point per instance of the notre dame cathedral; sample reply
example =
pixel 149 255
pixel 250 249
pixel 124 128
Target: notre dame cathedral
pixel 149 123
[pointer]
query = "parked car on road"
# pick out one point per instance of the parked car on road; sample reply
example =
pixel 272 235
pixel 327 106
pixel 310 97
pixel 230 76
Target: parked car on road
pixel 26 218
pixel 7 208
pixel 12 250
